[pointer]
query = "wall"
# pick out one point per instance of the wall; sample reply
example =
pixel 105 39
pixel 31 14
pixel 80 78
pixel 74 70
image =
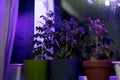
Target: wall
pixel 24 32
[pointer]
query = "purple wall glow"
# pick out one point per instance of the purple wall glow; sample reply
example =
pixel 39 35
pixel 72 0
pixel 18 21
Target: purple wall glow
pixel 24 32
pixel 22 43
pixel 25 27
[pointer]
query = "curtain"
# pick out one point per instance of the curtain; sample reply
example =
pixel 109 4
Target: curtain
pixel 8 19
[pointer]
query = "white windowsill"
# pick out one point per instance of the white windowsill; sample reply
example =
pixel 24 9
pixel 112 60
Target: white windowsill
pixel 84 78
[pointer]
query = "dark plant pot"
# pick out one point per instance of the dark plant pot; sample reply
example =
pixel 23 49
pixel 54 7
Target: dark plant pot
pixel 65 69
pixel 97 69
pixel 36 69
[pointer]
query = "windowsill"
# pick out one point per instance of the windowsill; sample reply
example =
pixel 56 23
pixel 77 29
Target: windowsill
pixel 84 78
pixel 19 74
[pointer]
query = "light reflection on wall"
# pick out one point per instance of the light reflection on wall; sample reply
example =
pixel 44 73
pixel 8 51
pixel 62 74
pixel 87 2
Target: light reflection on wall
pixel 113 4
pixel 41 8
pixel 90 1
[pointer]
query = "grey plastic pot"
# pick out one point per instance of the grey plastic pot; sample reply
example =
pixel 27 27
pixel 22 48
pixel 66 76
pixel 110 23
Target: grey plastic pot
pixel 65 69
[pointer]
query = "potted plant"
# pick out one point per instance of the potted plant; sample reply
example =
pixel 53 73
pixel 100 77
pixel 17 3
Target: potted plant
pixel 38 67
pixel 96 50
pixel 67 39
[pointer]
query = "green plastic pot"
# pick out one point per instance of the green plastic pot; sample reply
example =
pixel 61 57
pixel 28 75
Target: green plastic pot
pixel 36 69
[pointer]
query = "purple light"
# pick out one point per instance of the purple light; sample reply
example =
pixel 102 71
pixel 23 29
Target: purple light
pixel 90 1
pixel 113 4
pixel 107 2
pixel 113 0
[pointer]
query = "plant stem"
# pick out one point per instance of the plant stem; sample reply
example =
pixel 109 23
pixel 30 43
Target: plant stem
pixel 96 43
